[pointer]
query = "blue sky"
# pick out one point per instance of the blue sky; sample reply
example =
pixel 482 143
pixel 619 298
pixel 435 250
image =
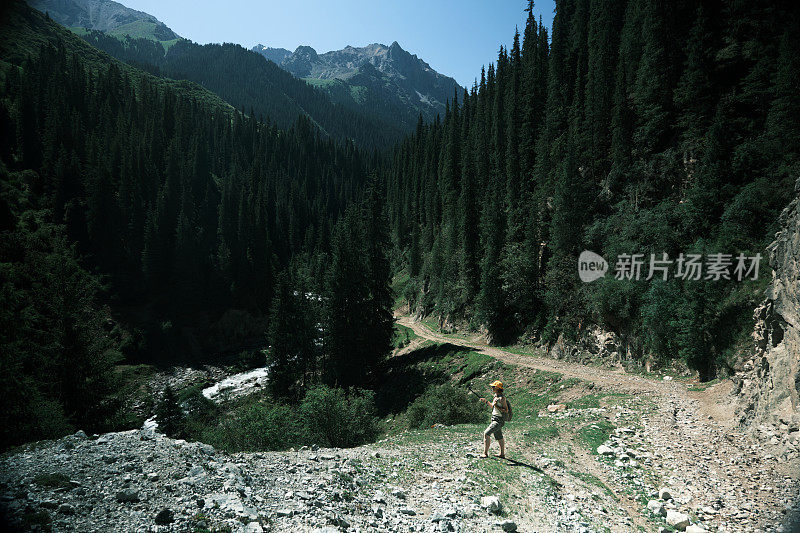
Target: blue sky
pixel 454 37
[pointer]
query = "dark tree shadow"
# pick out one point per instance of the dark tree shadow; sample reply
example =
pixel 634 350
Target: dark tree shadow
pixel 401 381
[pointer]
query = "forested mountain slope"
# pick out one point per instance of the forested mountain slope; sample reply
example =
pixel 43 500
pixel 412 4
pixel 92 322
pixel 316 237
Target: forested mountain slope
pixel 636 127
pixel 240 77
pixel 251 83
pixel 144 218
pixel 105 15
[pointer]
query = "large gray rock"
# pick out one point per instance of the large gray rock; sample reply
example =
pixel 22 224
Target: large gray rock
pixel 604 450
pixel 491 504
pixel 768 381
pixel 164 517
pixel 677 520
pixel 128 496
pixel 507 525
pixel 656 507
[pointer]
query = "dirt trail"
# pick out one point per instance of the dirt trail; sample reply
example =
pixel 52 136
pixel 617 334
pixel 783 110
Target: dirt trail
pixel 697 450
pixel 604 377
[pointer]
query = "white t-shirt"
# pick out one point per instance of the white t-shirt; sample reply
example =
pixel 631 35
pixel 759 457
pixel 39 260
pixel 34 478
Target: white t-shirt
pixel 498 402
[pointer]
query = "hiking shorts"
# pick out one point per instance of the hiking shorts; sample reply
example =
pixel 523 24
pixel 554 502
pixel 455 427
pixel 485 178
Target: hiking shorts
pixel 495 428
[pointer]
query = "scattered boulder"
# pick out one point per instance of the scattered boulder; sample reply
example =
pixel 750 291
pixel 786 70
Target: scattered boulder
pixel 677 520
pixel 66 509
pixel 604 450
pixel 664 494
pixel 128 496
pixel 695 529
pixel 656 507
pixel 165 517
pixel 491 504
pixel 507 525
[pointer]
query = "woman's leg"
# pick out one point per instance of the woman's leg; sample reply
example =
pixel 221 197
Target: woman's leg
pixel 498 434
pixel 487 438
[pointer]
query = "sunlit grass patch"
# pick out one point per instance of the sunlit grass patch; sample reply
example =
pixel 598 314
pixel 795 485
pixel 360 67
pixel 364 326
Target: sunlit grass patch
pixel 539 431
pixel 399 283
pixel 593 435
pixel 403 336
pixel 592 401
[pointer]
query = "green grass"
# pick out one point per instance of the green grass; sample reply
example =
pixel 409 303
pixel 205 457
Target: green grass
pixel 591 479
pixel 168 44
pixel 399 283
pixel 403 336
pixel 700 387
pixel 494 472
pixel 52 481
pixel 593 435
pixel 138 29
pixel 320 83
pixel 592 401
pixel 133 31
pixel 540 431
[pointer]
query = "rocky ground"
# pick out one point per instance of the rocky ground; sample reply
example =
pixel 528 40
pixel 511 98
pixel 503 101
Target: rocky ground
pixel 141 481
pixel 611 452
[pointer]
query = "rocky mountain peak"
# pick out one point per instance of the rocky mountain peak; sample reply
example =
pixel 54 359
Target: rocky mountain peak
pixel 276 55
pixel 305 52
pixel 388 76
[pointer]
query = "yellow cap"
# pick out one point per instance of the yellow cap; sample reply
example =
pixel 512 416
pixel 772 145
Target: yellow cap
pixel 498 384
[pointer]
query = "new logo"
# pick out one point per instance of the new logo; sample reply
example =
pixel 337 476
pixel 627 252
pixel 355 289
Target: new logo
pixel 591 266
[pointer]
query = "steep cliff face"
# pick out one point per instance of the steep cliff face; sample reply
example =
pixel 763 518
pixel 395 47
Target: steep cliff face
pixel 769 381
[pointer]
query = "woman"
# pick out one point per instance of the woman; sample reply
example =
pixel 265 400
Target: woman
pixel 499 409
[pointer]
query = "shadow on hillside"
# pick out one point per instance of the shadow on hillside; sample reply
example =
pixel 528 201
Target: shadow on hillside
pixel 427 353
pixel 514 462
pixel 405 377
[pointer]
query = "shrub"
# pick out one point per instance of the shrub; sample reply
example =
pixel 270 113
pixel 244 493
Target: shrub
pixel 444 404
pixel 201 413
pixel 169 414
pixel 340 419
pixel 257 427
pixel 250 359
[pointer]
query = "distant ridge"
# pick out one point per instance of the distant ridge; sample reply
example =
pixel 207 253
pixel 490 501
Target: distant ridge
pixel 105 15
pixel 388 79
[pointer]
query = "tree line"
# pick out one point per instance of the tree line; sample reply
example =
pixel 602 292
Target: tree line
pixel 637 126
